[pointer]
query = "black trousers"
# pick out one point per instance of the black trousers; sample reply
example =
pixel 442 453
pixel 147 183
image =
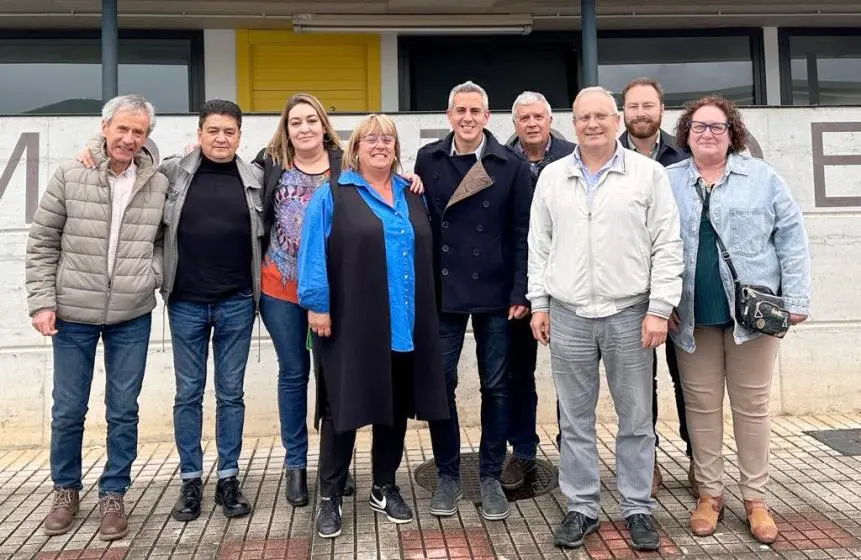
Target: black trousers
pixel 673 366
pixel 336 448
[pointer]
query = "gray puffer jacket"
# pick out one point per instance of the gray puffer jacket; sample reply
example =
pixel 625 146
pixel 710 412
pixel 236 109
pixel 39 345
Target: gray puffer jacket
pixel 67 250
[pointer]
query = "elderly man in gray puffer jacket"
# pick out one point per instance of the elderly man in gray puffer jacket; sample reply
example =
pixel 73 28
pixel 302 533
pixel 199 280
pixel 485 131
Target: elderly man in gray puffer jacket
pixel 94 261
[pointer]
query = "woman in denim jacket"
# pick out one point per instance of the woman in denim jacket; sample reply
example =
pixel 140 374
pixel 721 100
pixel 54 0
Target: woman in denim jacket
pixel 744 201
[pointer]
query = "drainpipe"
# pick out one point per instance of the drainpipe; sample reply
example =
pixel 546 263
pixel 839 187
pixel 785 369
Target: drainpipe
pixel 110 50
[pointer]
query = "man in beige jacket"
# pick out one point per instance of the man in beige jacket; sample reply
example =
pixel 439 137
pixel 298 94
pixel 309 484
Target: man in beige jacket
pixel 93 265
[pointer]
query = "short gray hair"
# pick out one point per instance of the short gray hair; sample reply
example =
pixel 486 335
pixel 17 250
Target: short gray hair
pixel 598 89
pixel 132 103
pixel 468 87
pixel 528 98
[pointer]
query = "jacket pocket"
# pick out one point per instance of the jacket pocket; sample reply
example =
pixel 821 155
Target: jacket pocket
pixel 749 231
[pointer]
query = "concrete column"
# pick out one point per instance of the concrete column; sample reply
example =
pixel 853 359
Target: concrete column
pixel 110 50
pixel 772 66
pixel 389 80
pixel 219 64
pixel 589 42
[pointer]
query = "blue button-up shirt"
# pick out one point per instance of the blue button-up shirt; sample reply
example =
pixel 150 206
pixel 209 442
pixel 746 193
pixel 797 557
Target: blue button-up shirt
pixel 592 179
pixel 400 246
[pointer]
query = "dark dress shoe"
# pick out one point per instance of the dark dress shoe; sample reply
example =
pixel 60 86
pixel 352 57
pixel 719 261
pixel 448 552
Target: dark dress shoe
pixel 349 486
pixel 229 496
pixel 187 506
pixel 297 487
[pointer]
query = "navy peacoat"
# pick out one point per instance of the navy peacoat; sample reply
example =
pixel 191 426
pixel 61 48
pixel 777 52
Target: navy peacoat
pixel 479 235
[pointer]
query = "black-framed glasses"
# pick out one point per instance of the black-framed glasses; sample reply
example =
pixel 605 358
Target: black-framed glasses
pixel 716 128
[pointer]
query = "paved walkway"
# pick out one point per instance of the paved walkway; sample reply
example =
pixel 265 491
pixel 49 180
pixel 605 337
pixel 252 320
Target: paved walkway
pixel 815 493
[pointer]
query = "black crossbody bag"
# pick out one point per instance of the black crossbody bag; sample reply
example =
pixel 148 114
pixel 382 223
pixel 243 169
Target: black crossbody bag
pixel 756 307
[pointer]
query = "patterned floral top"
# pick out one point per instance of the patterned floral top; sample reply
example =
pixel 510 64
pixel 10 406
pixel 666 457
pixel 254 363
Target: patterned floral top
pixel 279 271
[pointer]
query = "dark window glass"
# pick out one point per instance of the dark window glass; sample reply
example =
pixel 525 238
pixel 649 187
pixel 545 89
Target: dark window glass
pixel 504 66
pixel 64 75
pixel 825 70
pixel 686 67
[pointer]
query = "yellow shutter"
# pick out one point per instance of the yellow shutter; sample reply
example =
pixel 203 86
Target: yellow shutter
pixel 343 71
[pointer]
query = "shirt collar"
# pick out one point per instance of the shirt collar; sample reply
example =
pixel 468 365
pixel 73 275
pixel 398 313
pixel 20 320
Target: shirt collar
pixel 616 163
pixel 522 151
pixel 130 172
pixel 352 177
pixel 653 152
pixel 477 152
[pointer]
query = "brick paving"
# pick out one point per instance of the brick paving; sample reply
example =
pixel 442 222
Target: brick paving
pixel 815 494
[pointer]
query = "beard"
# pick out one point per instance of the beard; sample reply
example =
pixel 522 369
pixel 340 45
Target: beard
pixel 643 128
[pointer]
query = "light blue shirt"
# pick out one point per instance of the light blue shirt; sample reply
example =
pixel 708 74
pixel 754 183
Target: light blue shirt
pixel 592 179
pixel 399 238
pixel 755 216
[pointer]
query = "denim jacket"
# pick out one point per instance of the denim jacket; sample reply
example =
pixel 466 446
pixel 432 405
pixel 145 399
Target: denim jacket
pixel 755 216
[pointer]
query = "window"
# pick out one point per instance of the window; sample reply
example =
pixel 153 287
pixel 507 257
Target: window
pixel 503 65
pixel 819 68
pixel 688 67
pixel 63 75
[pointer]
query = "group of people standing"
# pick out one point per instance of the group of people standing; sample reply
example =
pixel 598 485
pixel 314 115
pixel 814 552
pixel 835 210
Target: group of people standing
pixel 593 248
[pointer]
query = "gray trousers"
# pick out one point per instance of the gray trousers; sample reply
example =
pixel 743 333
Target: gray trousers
pixel 576 346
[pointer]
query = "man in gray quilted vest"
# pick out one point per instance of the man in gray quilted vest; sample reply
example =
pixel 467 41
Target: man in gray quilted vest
pixel 94 261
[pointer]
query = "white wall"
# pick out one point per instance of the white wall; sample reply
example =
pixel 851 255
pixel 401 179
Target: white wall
pixel 818 368
pixel 772 65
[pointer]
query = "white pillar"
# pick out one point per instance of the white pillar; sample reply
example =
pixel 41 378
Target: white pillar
pixel 219 64
pixel 772 65
pixel 389 97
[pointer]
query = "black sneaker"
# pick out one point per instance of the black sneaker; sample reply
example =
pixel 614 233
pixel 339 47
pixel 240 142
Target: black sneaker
pixel 644 536
pixel 388 500
pixel 187 506
pixel 229 496
pixel 573 530
pixel 329 517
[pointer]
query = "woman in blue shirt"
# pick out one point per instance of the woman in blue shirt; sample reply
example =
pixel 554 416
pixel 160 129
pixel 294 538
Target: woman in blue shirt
pixel 744 202
pixel 366 279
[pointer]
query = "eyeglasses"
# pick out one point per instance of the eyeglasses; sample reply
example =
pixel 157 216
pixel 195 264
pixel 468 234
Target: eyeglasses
pixel 715 128
pixel 372 139
pixel 600 117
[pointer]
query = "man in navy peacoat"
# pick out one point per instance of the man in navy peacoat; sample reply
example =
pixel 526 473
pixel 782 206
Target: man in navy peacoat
pixel 479 194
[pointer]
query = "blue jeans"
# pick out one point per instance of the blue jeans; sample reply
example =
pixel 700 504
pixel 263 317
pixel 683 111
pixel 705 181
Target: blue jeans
pixel 126 346
pixel 522 396
pixel 230 323
pixel 577 344
pixel 491 347
pixel 287 324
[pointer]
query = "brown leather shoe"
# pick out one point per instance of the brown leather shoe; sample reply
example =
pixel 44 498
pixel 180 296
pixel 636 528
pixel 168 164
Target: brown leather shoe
pixel 59 520
pixel 695 487
pixel 762 525
pixel 114 523
pixel 705 517
pixel 657 478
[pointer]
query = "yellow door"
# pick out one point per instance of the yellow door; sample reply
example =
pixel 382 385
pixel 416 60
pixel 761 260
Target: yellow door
pixel 342 71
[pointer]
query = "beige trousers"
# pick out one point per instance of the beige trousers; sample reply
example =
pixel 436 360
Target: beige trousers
pixel 745 370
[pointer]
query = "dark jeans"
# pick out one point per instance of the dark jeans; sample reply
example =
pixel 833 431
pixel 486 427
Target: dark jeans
pixel 126 346
pixel 673 366
pixel 229 323
pixel 287 324
pixel 491 346
pixel 522 397
pixel 336 448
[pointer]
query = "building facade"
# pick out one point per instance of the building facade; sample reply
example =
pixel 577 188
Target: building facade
pixel 403 55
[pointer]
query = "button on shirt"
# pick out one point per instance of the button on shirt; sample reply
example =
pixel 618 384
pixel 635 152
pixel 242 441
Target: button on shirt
pixel 121 193
pixel 592 179
pixel 400 247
